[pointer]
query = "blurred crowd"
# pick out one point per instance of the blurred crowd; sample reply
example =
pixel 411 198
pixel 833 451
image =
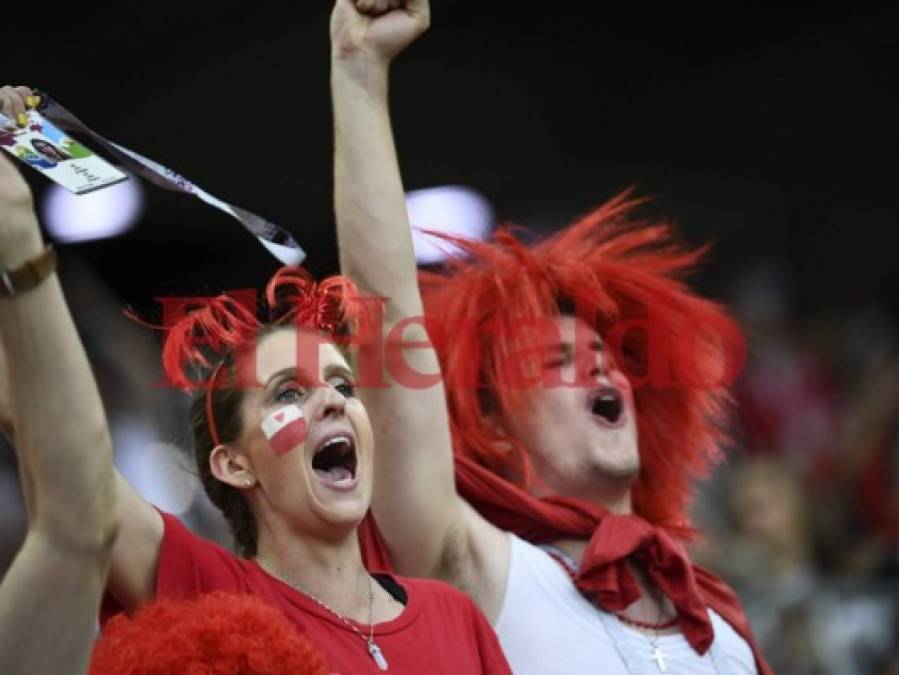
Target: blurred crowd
pixel 802 518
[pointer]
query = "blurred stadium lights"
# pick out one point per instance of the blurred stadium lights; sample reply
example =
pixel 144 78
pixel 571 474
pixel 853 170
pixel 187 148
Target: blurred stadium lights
pixel 157 470
pixel 105 213
pixel 450 209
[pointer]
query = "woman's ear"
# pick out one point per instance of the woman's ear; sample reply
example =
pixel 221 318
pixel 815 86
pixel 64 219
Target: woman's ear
pixel 232 467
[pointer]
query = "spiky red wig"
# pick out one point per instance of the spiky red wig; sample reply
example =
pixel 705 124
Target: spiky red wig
pixel 216 634
pixel 617 271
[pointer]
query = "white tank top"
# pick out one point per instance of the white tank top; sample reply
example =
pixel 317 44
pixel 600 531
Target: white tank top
pixel 546 627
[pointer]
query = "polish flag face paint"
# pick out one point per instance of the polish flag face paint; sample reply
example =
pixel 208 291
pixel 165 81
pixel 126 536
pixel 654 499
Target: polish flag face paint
pixel 285 429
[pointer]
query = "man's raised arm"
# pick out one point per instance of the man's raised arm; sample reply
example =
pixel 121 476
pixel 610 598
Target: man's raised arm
pixel 415 501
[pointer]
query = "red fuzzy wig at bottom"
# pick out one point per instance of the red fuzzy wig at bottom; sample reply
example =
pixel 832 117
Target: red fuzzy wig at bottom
pixel 217 634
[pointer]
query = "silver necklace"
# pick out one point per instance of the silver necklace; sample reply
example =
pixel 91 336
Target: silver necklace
pixel 571 566
pixel 660 657
pixel 373 649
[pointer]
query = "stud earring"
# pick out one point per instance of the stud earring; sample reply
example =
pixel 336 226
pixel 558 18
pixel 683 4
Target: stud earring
pixel 248 481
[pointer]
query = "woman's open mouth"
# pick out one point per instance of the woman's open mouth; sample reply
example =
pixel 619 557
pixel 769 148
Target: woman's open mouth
pixel 607 407
pixel 334 462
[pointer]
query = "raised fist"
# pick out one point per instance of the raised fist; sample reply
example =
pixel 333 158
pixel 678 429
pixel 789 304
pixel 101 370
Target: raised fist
pixel 376 30
pixel 14 101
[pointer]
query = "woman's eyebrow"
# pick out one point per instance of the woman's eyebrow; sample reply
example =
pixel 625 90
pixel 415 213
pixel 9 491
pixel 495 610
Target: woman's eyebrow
pixel 305 378
pixel 339 369
pixel 289 372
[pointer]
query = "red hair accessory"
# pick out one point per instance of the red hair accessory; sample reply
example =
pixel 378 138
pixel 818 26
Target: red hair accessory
pixel 294 296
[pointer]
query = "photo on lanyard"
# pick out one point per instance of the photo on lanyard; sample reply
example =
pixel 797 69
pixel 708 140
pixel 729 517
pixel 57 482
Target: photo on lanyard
pixel 63 160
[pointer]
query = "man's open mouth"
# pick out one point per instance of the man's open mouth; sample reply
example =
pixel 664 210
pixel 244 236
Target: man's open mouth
pixel 607 406
pixel 334 461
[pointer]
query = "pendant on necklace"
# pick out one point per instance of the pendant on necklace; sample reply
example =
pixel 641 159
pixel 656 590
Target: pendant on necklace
pixel 660 658
pixel 377 654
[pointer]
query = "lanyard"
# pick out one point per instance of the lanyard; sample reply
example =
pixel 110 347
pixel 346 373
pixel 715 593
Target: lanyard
pixel 276 241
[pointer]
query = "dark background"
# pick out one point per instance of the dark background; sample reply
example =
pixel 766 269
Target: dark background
pixel 768 130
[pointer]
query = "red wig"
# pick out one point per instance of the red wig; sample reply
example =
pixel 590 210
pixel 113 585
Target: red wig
pixel 216 634
pixel 618 272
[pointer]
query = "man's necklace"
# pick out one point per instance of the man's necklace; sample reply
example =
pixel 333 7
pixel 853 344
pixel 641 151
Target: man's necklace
pixel 571 566
pixel 660 657
pixel 374 651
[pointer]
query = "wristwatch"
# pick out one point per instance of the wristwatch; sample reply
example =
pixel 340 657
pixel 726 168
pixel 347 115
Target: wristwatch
pixel 28 275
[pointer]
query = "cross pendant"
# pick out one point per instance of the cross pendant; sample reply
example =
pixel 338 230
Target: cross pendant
pixel 660 658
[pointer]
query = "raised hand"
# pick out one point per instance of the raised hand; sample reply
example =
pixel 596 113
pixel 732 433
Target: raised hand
pixel 65 453
pixel 376 30
pixel 20 236
pixel 414 471
pixel 14 101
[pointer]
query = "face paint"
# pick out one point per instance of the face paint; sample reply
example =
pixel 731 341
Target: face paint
pixel 285 429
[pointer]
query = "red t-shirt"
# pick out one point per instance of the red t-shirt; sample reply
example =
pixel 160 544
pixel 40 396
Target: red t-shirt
pixel 439 631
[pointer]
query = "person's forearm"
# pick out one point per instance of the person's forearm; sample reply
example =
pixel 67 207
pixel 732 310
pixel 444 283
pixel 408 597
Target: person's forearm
pixel 61 430
pixel 372 222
